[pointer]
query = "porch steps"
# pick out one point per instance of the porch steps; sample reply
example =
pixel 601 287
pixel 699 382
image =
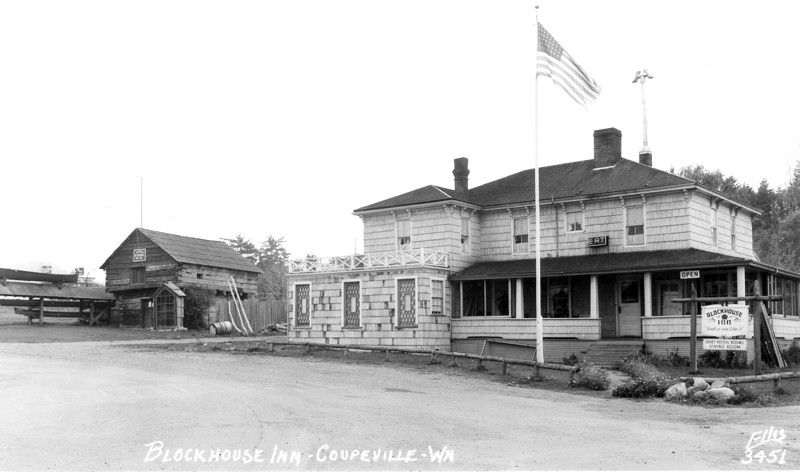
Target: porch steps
pixel 608 353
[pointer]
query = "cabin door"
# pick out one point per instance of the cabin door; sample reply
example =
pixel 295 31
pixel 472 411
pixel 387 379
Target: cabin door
pixel 629 307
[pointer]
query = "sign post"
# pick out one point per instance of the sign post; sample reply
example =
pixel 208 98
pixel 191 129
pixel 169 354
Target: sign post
pixel 693 333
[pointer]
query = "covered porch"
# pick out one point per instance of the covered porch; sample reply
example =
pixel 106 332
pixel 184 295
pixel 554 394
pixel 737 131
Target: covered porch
pixel 611 296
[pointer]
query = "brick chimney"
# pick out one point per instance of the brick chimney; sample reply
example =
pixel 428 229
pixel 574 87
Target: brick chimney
pixel 461 174
pixel 646 158
pixel 607 147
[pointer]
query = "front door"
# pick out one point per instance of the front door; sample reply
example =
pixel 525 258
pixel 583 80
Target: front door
pixel 629 307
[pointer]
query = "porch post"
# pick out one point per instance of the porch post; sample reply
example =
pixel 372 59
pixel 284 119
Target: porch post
pixel 594 297
pixel 648 294
pixel 460 299
pixel 740 283
pixel 520 300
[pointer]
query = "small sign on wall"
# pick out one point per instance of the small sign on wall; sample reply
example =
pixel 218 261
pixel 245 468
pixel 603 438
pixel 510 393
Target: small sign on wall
pixel 725 344
pixel 690 274
pixel 139 255
pixel 598 241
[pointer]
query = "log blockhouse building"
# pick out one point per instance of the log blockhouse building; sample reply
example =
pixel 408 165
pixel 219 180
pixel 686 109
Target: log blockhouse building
pixel 150 270
pixel 452 268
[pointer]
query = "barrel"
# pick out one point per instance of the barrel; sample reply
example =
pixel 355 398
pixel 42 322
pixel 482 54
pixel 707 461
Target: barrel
pixel 223 327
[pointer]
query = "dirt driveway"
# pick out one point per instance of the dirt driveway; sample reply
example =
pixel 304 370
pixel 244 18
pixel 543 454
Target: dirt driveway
pixel 98 406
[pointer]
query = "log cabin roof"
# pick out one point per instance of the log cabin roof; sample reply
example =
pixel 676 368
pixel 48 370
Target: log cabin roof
pixel 571 181
pixel 189 250
pixel 610 263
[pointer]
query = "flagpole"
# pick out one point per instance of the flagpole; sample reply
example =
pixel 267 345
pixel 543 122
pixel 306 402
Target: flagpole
pixel 539 323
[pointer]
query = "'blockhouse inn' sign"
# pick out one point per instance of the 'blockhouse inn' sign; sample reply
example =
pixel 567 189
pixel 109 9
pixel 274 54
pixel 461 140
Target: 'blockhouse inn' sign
pixel 725 320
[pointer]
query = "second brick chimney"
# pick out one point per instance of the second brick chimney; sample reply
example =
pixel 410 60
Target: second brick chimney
pixel 461 174
pixel 607 147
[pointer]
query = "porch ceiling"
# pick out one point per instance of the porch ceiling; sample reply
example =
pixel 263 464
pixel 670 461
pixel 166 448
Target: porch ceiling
pixel 616 263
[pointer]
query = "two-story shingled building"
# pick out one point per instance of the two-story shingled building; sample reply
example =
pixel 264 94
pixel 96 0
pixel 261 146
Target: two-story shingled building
pixel 447 268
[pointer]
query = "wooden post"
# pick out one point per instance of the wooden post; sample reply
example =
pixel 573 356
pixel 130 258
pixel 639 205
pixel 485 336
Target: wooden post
pixel 776 384
pixel 756 330
pixel 41 310
pixel 346 350
pixel 693 332
pixel 505 368
pixel 91 313
pixel 386 357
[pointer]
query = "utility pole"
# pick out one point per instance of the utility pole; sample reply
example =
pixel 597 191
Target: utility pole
pixel 645 155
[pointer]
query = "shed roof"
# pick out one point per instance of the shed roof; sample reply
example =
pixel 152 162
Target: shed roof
pixel 189 250
pixel 46 290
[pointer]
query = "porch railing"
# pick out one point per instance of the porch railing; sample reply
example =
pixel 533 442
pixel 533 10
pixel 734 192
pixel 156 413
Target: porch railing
pixel 379 260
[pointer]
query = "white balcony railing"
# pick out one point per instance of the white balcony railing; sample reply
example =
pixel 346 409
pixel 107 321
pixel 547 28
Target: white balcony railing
pixel 378 260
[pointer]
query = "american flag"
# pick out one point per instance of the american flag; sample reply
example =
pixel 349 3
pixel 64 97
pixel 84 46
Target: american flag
pixel 554 62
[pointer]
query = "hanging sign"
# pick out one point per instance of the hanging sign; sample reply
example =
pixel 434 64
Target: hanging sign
pixel 718 320
pixel 724 344
pixel 139 255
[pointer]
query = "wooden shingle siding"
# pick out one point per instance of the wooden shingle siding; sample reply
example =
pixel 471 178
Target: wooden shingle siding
pixel 786 327
pixel 217 279
pixel 525 328
pixel 378 305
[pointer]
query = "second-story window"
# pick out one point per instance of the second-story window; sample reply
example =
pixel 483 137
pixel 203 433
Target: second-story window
pixel 403 234
pixel 521 236
pixel 137 275
pixel 465 248
pixel 634 225
pixel 574 220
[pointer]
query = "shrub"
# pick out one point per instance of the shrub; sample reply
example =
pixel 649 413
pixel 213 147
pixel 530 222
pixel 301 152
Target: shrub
pixel 195 308
pixel 590 376
pixel 792 354
pixel 716 359
pixel 571 359
pixel 647 380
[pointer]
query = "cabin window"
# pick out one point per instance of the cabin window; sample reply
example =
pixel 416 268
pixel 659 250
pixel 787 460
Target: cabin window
pixel 406 303
pixel 199 276
pixel 351 292
pixel 302 305
pixel 574 220
pixel 465 248
pixel 403 234
pixel 137 275
pixel 634 225
pixel 165 310
pixel 437 297
pixel 521 236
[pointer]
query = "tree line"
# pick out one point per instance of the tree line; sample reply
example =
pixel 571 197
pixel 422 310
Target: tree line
pixel 776 233
pixel 272 258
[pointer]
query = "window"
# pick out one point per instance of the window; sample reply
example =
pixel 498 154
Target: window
pixel 558 297
pixel 165 310
pixel 487 297
pixel 788 289
pixel 520 236
pixel 437 297
pixel 666 291
pixel 403 234
pixel 351 306
pixel 465 247
pixel 574 221
pixel 634 225
pixel 302 304
pixel 406 303
pixel 137 275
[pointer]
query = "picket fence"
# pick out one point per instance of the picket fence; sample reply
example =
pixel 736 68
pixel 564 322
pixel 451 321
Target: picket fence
pixel 260 313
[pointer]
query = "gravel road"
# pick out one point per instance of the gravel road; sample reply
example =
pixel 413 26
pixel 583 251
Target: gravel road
pixel 104 406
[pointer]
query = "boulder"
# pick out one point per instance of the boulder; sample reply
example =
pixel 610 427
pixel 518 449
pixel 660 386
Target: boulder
pixel 722 394
pixel 700 396
pixel 719 383
pixel 700 384
pixel 676 392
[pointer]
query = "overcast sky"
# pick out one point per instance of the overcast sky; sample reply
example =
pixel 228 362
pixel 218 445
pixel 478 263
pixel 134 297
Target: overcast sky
pixel 282 117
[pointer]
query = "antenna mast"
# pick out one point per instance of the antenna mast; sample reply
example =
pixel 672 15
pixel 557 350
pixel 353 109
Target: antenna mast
pixel 645 155
pixel 141 202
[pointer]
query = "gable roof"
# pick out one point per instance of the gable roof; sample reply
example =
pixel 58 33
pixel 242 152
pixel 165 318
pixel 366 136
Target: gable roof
pixel 188 250
pixel 562 181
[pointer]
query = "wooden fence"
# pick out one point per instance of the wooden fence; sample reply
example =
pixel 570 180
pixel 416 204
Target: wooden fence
pixel 260 313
